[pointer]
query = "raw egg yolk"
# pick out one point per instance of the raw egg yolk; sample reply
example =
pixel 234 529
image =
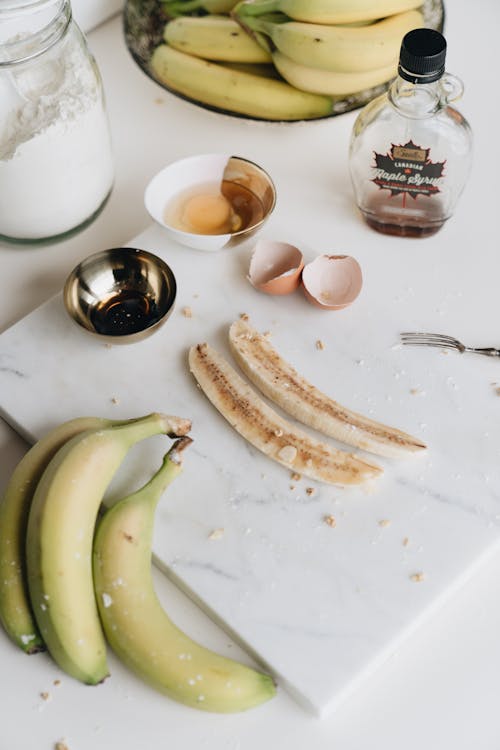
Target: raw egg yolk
pixel 207 213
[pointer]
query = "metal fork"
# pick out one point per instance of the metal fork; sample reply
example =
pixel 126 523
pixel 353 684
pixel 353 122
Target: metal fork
pixel 444 342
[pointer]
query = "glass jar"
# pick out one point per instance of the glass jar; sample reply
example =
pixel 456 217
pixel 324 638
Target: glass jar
pixel 56 166
pixel 410 151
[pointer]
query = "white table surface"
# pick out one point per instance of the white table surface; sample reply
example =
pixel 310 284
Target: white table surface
pixel 441 690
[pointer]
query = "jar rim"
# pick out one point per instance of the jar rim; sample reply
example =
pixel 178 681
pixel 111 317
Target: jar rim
pixel 14 50
pixel 21 6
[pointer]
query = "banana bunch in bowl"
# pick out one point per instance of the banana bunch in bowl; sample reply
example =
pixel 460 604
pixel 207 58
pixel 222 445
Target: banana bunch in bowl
pixel 70 581
pixel 281 59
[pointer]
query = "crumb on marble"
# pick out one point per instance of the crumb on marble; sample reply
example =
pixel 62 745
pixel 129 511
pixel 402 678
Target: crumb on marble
pixel 417 391
pixel 57 683
pixel 159 100
pixel 320 345
pixel 61 745
pixel 244 316
pixel 330 521
pixel 417 577
pixel 296 477
pixel 216 534
pixel 292 487
pixel 115 400
pixel 267 334
pixel 107 345
pixel 384 522
pixel 497 390
pixel 310 491
pixel 45 695
pixel 187 312
pixel 406 541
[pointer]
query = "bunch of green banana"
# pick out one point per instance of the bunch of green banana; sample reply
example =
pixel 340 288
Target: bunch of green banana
pixel 137 627
pixel 48 589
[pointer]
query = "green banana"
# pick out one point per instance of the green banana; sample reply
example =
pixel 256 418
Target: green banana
pixel 59 540
pixel 342 49
pixel 234 91
pixel 327 11
pixel 137 627
pixel 214 38
pixel 180 7
pixel 15 609
pixel 328 82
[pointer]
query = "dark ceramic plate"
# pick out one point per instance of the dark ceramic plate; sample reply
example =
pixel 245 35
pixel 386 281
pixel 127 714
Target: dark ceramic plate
pixel 144 22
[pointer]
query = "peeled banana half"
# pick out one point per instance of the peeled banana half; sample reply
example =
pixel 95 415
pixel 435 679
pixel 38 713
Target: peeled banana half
pixel 280 382
pixel 261 426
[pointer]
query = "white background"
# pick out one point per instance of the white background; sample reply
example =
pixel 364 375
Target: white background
pixel 443 689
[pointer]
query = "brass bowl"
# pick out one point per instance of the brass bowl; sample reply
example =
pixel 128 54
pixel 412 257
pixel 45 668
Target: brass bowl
pixel 121 295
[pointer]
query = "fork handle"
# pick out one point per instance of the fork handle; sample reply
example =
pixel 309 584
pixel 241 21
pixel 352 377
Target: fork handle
pixel 489 352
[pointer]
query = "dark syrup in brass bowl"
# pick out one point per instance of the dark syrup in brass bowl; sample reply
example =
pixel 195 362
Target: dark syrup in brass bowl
pixel 121 295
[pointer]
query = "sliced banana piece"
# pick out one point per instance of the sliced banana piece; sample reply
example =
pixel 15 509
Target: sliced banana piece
pixel 281 383
pixel 254 420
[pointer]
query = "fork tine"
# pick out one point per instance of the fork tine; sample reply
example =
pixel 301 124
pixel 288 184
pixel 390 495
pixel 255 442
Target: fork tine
pixel 422 335
pixel 410 338
pixel 438 344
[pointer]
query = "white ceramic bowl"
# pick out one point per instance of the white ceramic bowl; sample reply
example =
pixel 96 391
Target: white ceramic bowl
pixel 181 175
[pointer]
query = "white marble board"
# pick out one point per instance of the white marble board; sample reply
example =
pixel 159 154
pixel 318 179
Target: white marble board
pixel 319 606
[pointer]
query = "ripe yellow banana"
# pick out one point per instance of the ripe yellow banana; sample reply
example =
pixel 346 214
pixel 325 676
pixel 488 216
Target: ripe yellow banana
pixel 15 609
pixel 328 11
pixel 330 82
pixel 180 7
pixel 281 383
pixel 214 38
pixel 59 540
pixel 233 90
pixel 267 431
pixel 336 48
pixel 136 626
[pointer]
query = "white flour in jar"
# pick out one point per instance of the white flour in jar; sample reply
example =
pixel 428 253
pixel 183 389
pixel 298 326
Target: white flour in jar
pixel 55 154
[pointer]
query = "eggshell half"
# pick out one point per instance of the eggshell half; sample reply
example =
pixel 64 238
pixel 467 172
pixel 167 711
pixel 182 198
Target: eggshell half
pixel 332 282
pixel 275 267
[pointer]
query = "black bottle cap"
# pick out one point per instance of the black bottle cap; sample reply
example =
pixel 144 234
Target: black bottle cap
pixel 422 56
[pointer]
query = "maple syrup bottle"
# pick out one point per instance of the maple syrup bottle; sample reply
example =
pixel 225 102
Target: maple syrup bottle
pixel 410 151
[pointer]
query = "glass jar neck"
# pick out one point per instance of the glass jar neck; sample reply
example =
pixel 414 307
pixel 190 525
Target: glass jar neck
pixel 28 28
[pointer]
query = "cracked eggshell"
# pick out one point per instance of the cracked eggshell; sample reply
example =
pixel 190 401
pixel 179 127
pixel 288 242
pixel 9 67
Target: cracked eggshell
pixel 275 267
pixel 332 282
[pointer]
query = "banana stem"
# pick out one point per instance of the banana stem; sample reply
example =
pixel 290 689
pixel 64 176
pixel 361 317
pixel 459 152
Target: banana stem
pixel 171 467
pixel 182 6
pixel 257 7
pixel 260 28
pixel 153 424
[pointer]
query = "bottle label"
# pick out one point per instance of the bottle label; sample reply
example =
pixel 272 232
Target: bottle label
pixel 408 169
